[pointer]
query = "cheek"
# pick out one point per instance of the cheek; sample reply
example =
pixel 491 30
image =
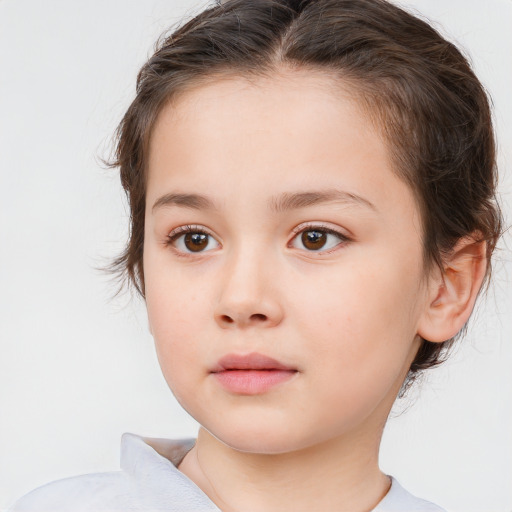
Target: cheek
pixel 176 338
pixel 172 300
pixel 361 348
pixel 176 313
pixel 361 318
pixel 356 299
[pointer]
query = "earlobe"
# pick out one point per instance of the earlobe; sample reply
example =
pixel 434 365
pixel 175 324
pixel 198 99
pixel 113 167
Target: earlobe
pixel 452 294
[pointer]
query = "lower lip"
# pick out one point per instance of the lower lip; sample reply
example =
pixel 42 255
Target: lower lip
pixel 252 382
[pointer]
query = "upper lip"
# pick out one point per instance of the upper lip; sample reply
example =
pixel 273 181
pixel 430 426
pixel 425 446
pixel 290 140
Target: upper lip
pixel 253 361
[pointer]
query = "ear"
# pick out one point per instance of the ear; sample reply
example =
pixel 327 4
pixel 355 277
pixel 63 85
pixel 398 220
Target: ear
pixel 452 293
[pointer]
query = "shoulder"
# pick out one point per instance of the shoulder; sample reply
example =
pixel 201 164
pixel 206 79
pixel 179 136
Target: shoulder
pixel 111 492
pixel 148 481
pixel 399 499
pixel 96 491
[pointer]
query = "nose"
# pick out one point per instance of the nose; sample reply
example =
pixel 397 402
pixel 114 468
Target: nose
pixel 248 294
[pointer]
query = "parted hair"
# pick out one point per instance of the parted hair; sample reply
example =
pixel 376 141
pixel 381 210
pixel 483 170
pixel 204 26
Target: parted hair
pixel 416 86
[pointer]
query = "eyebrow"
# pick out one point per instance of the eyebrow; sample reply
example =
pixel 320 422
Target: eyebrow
pixel 192 201
pixel 284 202
pixel 293 201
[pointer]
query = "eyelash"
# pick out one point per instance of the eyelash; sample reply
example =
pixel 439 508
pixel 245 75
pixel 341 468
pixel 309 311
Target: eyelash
pixel 323 229
pixel 183 230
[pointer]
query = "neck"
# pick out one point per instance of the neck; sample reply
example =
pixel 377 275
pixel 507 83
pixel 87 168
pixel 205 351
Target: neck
pixel 340 474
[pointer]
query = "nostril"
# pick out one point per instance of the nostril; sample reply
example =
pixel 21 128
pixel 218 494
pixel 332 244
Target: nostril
pixel 258 316
pixel 255 318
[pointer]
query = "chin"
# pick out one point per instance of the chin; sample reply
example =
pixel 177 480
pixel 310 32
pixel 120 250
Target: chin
pixel 271 445
pixel 269 439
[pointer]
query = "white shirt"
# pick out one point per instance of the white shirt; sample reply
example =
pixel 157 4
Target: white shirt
pixel 149 481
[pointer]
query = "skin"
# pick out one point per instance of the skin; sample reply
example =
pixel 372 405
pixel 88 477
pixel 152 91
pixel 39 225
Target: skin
pixel 347 318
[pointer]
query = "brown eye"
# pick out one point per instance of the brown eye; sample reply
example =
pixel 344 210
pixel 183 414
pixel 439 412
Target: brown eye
pixel 318 238
pixel 191 239
pixel 196 242
pixel 314 240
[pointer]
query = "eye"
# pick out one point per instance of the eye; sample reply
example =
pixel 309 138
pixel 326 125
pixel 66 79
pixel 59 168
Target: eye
pixel 318 238
pixel 191 239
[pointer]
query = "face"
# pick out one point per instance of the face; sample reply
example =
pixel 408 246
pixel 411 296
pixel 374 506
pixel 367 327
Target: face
pixel 282 263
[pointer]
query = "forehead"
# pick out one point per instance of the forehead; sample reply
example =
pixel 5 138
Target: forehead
pixel 261 137
pixel 292 113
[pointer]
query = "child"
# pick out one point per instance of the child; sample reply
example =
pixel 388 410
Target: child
pixel 312 193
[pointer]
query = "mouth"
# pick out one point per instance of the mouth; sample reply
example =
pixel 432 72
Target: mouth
pixel 251 374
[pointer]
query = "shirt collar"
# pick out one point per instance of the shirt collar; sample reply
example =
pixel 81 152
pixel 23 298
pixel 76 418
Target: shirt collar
pixel 153 462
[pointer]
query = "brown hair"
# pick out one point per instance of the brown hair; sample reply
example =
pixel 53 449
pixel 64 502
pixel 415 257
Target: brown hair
pixel 418 87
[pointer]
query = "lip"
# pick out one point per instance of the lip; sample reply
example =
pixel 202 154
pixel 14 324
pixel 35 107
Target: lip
pixel 251 374
pixel 252 361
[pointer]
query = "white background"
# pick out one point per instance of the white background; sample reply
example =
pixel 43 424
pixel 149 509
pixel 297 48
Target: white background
pixel 78 370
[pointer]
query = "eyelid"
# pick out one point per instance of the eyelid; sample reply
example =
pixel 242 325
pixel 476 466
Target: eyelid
pixel 320 226
pixel 188 228
pixel 175 234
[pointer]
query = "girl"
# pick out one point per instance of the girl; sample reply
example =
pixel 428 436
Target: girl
pixel 313 214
